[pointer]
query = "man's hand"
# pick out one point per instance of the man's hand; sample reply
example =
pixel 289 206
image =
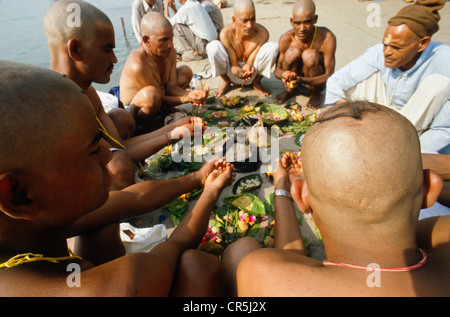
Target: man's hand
pixel 248 71
pixel 195 126
pixel 290 80
pixel 197 97
pixel 222 176
pixel 341 101
pixel 243 73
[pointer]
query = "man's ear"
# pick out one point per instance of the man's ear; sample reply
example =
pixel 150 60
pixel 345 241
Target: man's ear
pixel 432 186
pixel 14 199
pixel 145 38
pixel 423 43
pixel 74 49
pixel 300 193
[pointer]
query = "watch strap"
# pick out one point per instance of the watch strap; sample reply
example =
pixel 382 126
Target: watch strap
pixel 282 192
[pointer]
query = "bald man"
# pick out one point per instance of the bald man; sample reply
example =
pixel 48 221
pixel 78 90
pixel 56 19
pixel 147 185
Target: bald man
pixel 85 54
pixel 307 55
pixel 53 185
pixel 407 71
pixel 151 84
pixel 362 180
pixel 243 56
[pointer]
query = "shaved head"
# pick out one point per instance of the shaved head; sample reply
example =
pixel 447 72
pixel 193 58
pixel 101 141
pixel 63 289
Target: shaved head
pixel 243 5
pixel 302 6
pixel 28 103
pixel 363 159
pixel 60 22
pixel 153 22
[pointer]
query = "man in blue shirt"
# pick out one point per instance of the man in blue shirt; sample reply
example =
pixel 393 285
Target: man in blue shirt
pixel 407 72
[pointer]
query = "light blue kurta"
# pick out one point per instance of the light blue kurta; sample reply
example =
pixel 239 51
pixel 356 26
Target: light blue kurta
pixel 401 85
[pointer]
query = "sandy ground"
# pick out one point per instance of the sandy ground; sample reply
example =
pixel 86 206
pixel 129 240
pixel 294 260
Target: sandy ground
pixel 357 26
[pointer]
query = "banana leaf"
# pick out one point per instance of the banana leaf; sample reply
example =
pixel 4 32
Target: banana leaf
pixel 248 203
pixel 272 114
pixel 247 184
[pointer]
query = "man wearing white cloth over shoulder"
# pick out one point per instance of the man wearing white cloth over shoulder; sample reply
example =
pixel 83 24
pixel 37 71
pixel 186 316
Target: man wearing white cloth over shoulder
pixel 407 72
pixel 192 27
pixel 243 56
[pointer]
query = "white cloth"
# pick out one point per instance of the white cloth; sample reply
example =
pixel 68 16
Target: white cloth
pixel 138 9
pixel 421 108
pixel 144 239
pixel 220 63
pixel 194 15
pixel 108 101
pixel 214 13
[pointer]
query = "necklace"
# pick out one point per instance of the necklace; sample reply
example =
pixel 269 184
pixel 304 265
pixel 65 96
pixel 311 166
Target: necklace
pixel 314 37
pixel 242 47
pixel 394 269
pixel 31 257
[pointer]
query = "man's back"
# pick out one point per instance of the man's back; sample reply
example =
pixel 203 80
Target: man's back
pixel 296 275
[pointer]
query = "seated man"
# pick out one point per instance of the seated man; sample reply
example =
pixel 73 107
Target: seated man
pixel 193 28
pixel 53 185
pixel 138 9
pixel 242 56
pixel 362 180
pixel 408 72
pixel 214 13
pixel 150 82
pixel 306 55
pixel 85 54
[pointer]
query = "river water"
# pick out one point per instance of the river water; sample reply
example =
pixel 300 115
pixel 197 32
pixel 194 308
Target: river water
pixel 22 37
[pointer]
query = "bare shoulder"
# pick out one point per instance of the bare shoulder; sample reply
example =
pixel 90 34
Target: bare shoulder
pixel 286 40
pixel 94 99
pixel 227 33
pixel 326 33
pixel 133 64
pixel 262 34
pixel 286 270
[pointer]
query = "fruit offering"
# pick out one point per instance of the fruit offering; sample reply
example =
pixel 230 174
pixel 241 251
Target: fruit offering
pixel 233 101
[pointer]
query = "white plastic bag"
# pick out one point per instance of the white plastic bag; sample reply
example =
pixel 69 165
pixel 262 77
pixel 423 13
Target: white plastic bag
pixel 141 239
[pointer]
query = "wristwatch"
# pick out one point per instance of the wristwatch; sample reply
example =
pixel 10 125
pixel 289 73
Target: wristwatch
pixel 282 192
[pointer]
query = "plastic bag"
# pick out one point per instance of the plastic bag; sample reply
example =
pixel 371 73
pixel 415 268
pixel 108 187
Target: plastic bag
pixel 141 239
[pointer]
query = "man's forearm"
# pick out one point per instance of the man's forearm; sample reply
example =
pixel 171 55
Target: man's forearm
pixel 192 228
pixel 287 230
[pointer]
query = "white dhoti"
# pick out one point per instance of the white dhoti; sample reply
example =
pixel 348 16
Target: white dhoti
pixel 220 63
pixel 421 108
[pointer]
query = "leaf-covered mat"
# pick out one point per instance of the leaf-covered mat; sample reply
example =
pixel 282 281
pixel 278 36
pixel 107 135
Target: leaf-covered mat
pixel 243 213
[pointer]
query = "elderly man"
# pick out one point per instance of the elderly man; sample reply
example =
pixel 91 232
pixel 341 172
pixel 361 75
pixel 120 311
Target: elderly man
pixel 85 54
pixel 150 83
pixel 362 180
pixel 408 72
pixel 306 55
pixel 242 56
pixel 193 28
pixel 53 185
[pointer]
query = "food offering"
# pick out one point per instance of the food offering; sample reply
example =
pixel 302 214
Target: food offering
pixel 295 113
pixel 247 184
pixel 211 99
pixel 273 114
pixel 217 115
pixel 233 101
